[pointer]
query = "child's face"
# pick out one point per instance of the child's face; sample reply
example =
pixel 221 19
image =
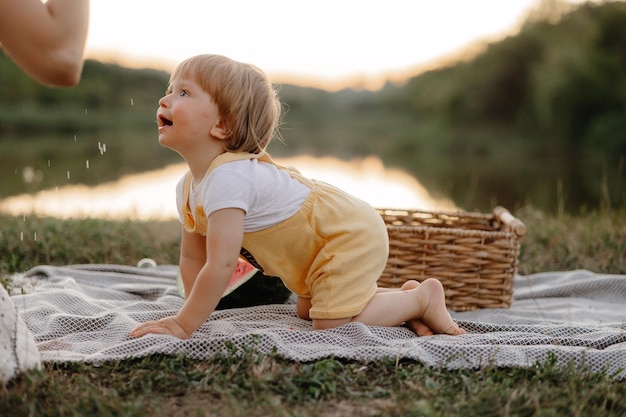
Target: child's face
pixel 187 117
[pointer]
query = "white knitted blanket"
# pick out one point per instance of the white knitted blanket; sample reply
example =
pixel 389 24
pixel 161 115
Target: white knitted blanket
pixel 85 313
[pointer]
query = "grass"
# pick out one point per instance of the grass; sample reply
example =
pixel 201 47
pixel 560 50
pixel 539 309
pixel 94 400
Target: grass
pixel 245 384
pixel 242 382
pixel 594 240
pixel 28 241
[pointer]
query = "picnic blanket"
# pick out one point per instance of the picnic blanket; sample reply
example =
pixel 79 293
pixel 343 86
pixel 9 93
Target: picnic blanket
pixel 85 313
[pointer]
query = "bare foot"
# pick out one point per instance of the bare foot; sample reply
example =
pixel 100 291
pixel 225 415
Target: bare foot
pixel 436 316
pixel 417 326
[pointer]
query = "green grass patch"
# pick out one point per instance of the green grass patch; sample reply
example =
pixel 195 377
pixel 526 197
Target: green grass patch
pixel 246 384
pixel 28 241
pixel 593 240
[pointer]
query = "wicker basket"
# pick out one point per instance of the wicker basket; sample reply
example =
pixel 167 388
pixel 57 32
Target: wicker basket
pixel 474 255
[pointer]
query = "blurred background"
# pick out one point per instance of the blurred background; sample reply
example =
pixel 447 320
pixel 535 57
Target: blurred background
pixel 525 105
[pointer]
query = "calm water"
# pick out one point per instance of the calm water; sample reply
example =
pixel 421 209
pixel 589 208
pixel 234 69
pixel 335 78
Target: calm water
pixel 43 175
pixel 150 195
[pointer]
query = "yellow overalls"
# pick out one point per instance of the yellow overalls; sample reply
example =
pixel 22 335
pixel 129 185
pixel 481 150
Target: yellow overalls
pixel 332 250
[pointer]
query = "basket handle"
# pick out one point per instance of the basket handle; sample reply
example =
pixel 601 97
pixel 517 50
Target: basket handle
pixel 511 222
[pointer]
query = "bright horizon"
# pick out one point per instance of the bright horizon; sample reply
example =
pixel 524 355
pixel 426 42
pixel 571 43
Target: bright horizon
pixel 329 44
pixel 150 195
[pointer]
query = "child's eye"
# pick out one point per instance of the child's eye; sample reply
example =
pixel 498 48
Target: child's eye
pixel 184 92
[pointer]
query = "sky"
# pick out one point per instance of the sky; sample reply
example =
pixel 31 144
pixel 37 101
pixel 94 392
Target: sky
pixel 328 43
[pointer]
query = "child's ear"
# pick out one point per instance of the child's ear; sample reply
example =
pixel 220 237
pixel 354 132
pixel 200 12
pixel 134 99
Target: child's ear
pixel 220 131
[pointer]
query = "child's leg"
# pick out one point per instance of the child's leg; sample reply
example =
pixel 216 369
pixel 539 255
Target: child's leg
pixel 418 326
pixel 303 305
pixel 426 302
pixel 391 308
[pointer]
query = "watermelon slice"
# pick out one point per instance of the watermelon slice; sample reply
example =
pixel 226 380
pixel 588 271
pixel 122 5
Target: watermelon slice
pixel 242 273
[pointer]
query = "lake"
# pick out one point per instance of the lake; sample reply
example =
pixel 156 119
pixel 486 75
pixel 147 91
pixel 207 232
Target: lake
pixel 151 195
pixel 127 173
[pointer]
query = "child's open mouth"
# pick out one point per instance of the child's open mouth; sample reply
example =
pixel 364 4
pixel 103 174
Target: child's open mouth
pixel 164 121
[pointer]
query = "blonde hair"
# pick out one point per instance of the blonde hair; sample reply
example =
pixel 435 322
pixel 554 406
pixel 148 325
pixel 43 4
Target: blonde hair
pixel 248 105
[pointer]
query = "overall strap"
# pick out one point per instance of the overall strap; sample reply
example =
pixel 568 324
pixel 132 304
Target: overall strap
pixel 263 157
pixel 235 156
pixel 221 159
pixel 190 213
pixel 187 187
pixel 193 217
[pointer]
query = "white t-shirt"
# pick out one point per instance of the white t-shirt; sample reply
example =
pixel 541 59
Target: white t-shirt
pixel 266 194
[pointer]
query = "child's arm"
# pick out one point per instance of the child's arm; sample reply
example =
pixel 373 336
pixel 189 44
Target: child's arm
pixel 192 257
pixel 223 243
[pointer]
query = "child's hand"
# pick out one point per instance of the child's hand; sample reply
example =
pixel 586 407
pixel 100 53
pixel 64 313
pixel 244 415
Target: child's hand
pixel 168 325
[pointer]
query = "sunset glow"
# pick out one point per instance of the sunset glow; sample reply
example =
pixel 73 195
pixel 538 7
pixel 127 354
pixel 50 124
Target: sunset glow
pixel 324 43
pixel 151 195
